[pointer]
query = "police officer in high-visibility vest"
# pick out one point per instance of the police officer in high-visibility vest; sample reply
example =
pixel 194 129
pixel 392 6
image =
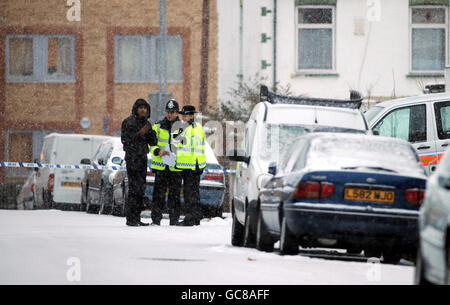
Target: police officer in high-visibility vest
pixel 166 177
pixel 191 159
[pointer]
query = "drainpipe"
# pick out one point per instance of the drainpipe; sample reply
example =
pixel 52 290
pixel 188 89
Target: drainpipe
pixel 241 38
pixel 205 57
pixel 274 45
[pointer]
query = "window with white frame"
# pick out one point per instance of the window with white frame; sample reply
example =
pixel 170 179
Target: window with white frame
pixel 40 58
pixel 137 58
pixel 315 38
pixel 428 38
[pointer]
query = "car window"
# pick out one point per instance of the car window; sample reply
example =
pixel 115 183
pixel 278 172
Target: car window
pixel 372 113
pixel 97 153
pixel 442 111
pixel 408 123
pixel 109 152
pixel 301 159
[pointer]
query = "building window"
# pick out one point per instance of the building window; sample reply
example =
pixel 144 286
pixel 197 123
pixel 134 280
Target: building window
pixel 40 58
pixel 137 58
pixel 428 38
pixel 315 38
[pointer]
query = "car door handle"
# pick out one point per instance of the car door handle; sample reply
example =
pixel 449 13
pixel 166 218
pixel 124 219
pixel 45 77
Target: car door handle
pixel 423 147
pixel 444 145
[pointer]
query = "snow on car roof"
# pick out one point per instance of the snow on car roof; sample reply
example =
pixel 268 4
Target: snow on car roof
pixel 417 98
pixel 310 115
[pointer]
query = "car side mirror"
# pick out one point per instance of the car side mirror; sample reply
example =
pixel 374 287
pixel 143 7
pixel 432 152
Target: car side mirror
pixel 375 132
pixel 273 168
pixel 239 156
pixel 101 161
pixel 85 161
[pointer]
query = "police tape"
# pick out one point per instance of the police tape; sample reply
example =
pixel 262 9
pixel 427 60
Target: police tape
pixel 85 166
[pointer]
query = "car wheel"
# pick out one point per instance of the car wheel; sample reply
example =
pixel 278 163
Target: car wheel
pixel 237 232
pixel 264 241
pixel 219 211
pixel 288 242
pixel 391 256
pixel 90 208
pixel 83 200
pixel 249 236
pixel 419 274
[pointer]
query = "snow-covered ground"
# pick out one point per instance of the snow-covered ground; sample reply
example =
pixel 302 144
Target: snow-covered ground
pixel 56 247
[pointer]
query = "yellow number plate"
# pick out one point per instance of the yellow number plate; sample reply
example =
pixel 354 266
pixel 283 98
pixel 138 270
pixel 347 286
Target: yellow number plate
pixel 71 184
pixel 369 195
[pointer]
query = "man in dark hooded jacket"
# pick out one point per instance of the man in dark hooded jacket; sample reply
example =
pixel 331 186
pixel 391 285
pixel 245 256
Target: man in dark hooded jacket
pixel 137 135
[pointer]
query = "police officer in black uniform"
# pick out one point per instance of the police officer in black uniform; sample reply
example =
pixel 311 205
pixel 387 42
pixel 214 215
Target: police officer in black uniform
pixel 166 177
pixel 137 135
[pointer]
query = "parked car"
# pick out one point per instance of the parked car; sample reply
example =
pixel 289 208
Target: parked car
pixel 60 187
pixel 97 190
pixel 424 121
pixel 212 187
pixel 433 256
pixel 274 124
pixel 25 199
pixel 323 196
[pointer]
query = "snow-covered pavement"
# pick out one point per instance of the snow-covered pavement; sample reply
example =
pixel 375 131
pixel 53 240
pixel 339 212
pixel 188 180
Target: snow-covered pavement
pixel 57 247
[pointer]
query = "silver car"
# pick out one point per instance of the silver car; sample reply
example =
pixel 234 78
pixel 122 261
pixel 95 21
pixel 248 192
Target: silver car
pixel 433 257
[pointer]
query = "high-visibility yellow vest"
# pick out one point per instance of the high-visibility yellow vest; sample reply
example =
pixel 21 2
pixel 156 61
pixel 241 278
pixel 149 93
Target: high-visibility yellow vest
pixel 163 136
pixel 192 151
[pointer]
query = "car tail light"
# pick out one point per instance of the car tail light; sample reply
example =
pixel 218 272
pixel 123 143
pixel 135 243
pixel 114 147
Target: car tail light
pixel 214 176
pixel 51 182
pixel 150 173
pixel 32 188
pixel 314 190
pixel 415 196
pixel 327 189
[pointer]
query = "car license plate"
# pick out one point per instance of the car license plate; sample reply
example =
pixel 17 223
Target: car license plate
pixel 369 195
pixel 71 184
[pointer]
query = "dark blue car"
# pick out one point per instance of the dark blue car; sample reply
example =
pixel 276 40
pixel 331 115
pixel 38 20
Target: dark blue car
pixel 346 191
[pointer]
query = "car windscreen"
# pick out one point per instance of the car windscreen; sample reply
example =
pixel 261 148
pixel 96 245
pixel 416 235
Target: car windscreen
pixel 372 113
pixel 278 138
pixel 363 152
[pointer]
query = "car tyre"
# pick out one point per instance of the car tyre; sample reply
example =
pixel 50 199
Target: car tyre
pixel 237 232
pixel 264 241
pixel 105 208
pixel 249 236
pixel 83 199
pixel 288 242
pixel 90 208
pixel 419 273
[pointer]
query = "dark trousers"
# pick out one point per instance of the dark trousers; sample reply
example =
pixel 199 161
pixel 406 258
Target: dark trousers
pixel 191 189
pixel 136 172
pixel 164 180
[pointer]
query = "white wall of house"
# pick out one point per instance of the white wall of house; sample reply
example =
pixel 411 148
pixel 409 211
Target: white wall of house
pixel 372 49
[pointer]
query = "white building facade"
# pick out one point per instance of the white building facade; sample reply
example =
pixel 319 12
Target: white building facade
pixel 324 48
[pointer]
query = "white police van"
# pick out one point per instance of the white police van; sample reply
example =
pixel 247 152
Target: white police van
pixel 422 120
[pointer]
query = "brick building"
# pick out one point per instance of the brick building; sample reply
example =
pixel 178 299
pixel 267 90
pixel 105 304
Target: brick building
pixel 54 72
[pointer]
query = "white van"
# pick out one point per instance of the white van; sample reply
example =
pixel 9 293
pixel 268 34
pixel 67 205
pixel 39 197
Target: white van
pixel 422 120
pixel 57 187
pixel 282 118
